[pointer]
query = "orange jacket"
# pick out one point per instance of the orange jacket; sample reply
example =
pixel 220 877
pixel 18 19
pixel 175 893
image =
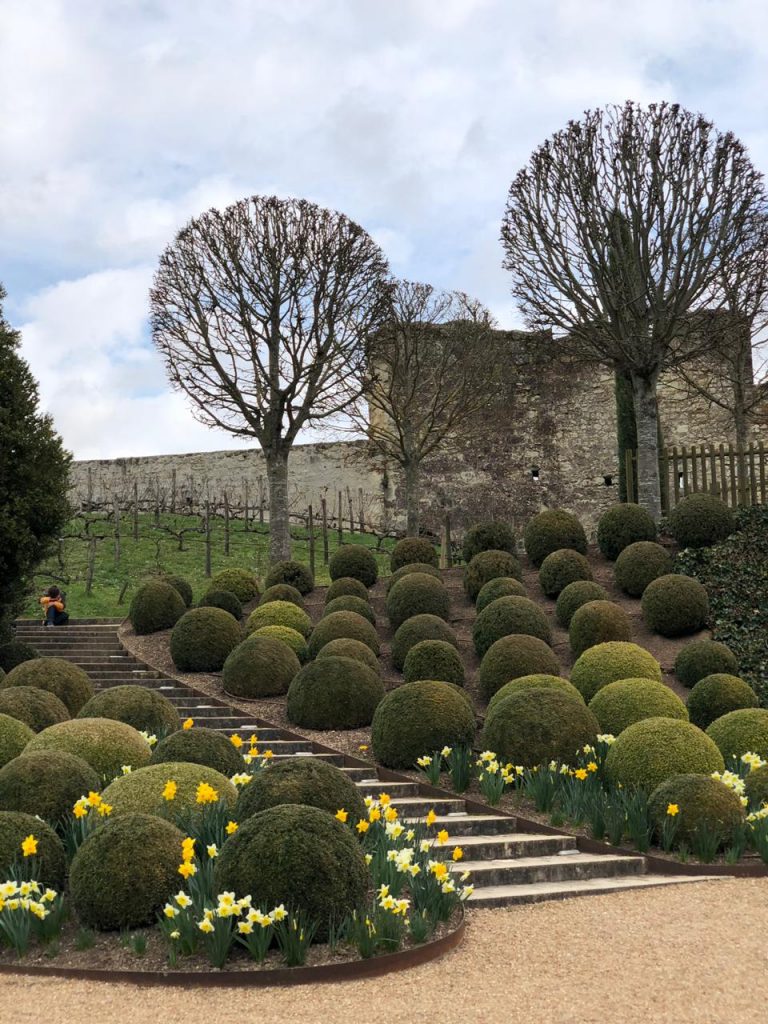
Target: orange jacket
pixel 57 603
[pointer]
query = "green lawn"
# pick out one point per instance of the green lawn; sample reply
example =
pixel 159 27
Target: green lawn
pixel 158 550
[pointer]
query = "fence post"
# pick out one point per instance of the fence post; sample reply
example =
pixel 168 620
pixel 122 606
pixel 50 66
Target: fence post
pixel 664 481
pixel 713 484
pixel 351 512
pixel 341 522
pixel 361 510
pixel 311 528
pixel 91 566
pixel 723 477
pixel 752 474
pixel 226 523
pixel 761 450
pixel 245 506
pixel 734 485
pixel 742 473
pixel 324 508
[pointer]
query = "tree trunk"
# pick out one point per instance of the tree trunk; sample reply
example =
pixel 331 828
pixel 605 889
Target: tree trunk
pixel 647 419
pixel 279 526
pixel 412 471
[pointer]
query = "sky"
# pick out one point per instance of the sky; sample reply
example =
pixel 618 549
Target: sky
pixel 122 119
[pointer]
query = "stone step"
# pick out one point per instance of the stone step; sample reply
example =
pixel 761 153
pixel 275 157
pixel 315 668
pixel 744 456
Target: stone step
pixel 420 806
pixel 151 682
pixel 568 866
pixel 489 847
pixel 75 624
pixel 469 824
pixel 360 774
pixel 337 759
pixel 511 895
pixel 397 790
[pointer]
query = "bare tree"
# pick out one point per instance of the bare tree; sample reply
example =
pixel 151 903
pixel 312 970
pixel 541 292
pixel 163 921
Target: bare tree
pixel 618 228
pixel 261 311
pixel 427 378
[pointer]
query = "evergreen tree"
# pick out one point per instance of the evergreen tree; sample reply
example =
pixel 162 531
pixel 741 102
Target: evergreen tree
pixel 34 477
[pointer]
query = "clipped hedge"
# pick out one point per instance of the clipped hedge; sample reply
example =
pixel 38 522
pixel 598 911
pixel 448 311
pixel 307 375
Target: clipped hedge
pixel 412 631
pixel 124 872
pixel 702 658
pixel 199 745
pixel 507 615
pixel 410 550
pixel 598 622
pixel 139 706
pixel 346 586
pixel 240 582
pixel 50 860
pixel 492 536
pixel 36 708
pixel 756 787
pixel 183 586
pixel 501 586
pixel 487 566
pixel 649 752
pixel 740 732
pixel 345 647
pixel 343 624
pixel 46 783
pixel 223 599
pixel 675 605
pixel 14 737
pixel 141 791
pixel 334 693
pixel 700 520
pixel 356 561
pixel 717 695
pixel 536 681
pixel 514 656
pixel 406 570
pixel 103 743
pixel 293 574
pixel 417 718
pixel 702 802
pixel 573 596
pixel 302 780
pixel 622 525
pixel 64 680
pixel 203 638
pixel 621 704
pixel 14 653
pixel 434 659
pixel 641 564
pixel 279 613
pixel 535 726
pixel 550 531
pixel 261 666
pixel 282 592
pixel 350 603
pixel 416 594
pixel 609 662
pixel 156 605
pixel 561 568
pixel 288 636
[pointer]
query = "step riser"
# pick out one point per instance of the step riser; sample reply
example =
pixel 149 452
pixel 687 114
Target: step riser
pixel 394 789
pixel 516 874
pixel 421 807
pixel 506 848
pixel 467 827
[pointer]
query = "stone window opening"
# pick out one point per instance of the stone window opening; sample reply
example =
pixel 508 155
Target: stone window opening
pixel 535 474
pixel 608 480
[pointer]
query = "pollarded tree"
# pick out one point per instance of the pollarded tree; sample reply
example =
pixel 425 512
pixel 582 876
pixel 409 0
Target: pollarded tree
pixel 34 478
pixel 619 229
pixel 261 312
pixel 429 376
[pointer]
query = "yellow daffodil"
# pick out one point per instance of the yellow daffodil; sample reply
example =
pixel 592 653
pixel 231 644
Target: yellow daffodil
pixel 188 723
pixel 672 810
pixel 94 799
pixel 169 790
pixel 362 826
pixel 29 846
pixel 170 911
pixel 187 869
pixel 244 927
pixel 390 814
pixel 374 814
pixel 231 828
pixel 581 774
pixel 442 837
pixel 384 799
pixel 212 850
pixel 236 741
pixel 431 817
pixel 206 794
pixel 363 747
pixel 342 815
pixel 268 754
pixel 592 766
pixel 79 810
pixel 458 853
pixel 206 926
pixel 183 899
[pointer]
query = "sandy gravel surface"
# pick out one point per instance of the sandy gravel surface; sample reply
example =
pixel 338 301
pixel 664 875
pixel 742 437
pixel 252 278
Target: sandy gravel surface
pixel 693 954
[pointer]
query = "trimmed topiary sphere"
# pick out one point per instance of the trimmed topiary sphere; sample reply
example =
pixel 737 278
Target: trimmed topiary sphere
pixel 574 596
pixel 64 680
pixel 261 666
pixel 203 638
pixel 649 752
pixel 493 536
pixel 103 743
pixel 674 605
pixel 717 695
pixel 502 586
pixel 406 570
pixel 412 631
pixel 700 520
pixel 14 736
pixel 561 568
pixel 609 662
pixel 302 780
pixel 537 681
pixel 156 605
pixel 552 530
pixel 36 708
pixel 279 613
pixel 703 658
pixel 200 746
pixel 350 603
pixel 282 592
pixel 598 622
pixel 417 594
pixel 346 586
pixel 702 802
pixel 343 624
pixel 434 659
pixel 641 564
pixel 125 871
pixel 533 727
pixel 417 718
pixel 507 615
pixel 487 566
pixel 50 860
pixel 46 783
pixel 299 856
pixel 183 586
pixel 622 525
pixel 620 704
pixel 513 656
pixel 141 791
pixel 756 787
pixel 240 582
pixel 223 599
pixel 139 706
pixel 410 550
pixel 344 647
pixel 294 574
pixel 741 732
pixel 334 693
pixel 356 561
pixel 288 636
pixel 14 653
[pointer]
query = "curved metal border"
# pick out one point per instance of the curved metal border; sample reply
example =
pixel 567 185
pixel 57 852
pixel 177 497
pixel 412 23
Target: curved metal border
pixel 350 970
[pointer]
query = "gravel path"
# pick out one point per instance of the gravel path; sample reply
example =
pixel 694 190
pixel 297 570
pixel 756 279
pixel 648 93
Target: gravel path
pixel 693 954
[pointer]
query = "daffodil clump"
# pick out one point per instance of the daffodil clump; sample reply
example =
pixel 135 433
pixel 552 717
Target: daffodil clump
pixel 85 816
pixel 28 910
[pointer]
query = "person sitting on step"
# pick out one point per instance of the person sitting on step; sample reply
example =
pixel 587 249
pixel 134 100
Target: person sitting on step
pixel 53 606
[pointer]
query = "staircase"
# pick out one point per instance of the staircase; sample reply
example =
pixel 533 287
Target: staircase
pixel 507 867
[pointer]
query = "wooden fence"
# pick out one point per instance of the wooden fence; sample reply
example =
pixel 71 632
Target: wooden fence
pixel 735 473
